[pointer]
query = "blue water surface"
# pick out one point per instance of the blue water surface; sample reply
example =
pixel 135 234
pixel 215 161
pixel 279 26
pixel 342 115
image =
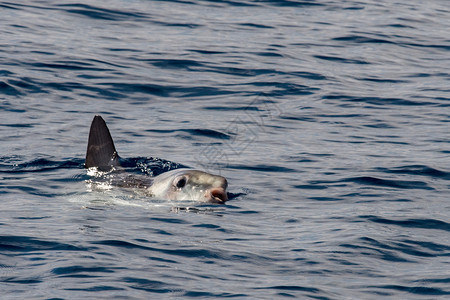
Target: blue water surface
pixel 330 120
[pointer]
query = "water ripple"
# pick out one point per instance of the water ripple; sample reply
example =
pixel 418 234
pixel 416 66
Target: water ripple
pixel 418 290
pixel 403 184
pixel 21 244
pixel 38 165
pixel 411 223
pixel 100 13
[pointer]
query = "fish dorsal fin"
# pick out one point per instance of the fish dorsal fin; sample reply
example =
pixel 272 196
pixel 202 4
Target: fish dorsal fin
pixel 101 152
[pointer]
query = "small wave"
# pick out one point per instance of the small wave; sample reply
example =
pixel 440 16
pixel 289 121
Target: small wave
pixel 195 132
pixel 411 223
pixel 293 290
pixel 378 101
pixel 20 86
pixel 153 286
pixel 37 165
pixel 341 59
pixel 290 3
pixel 371 181
pixel 100 13
pixel 254 25
pixel 72 270
pixel 184 252
pixel 7 88
pixel 164 90
pixel 21 244
pixel 362 39
pixel 420 170
pixel 174 63
pixel 418 290
pixel 408 247
pixel 402 184
pixel 263 168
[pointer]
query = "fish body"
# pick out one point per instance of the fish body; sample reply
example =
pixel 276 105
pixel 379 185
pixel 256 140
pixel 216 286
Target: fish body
pixel 178 184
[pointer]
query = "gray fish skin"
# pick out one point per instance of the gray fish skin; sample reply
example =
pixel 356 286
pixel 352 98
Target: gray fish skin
pixel 178 184
pixel 101 152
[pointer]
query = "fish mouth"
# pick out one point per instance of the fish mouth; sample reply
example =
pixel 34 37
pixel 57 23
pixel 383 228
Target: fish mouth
pixel 216 195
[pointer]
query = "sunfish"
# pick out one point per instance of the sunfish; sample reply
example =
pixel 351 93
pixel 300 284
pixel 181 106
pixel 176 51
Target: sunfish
pixel 178 184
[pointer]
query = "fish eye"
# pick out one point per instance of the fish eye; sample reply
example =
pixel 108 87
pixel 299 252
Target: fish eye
pixel 181 182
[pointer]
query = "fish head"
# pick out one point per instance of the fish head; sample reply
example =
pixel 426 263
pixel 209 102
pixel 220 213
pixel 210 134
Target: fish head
pixel 187 184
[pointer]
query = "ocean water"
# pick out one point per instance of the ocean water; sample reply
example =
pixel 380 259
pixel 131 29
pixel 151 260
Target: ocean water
pixel 330 120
